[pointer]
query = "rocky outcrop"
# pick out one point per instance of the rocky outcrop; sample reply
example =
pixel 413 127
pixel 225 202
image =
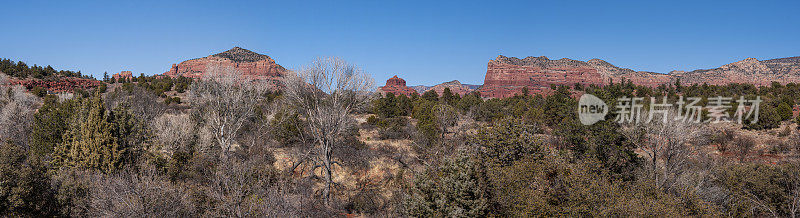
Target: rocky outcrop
pixel 421 88
pixel 750 70
pixel 61 84
pixel 455 87
pixel 397 86
pixel 124 75
pixel 250 64
pixel 506 76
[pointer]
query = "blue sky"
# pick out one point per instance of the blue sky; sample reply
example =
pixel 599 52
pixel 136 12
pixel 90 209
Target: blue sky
pixel 424 42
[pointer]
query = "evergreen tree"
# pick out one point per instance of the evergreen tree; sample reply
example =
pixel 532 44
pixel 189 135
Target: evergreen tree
pixel 469 101
pixel 430 95
pixel 90 141
pixel 404 105
pixel 768 118
pixel 24 186
pixel 449 98
pixel 386 107
pixel 455 188
pixel 784 110
pixel 50 123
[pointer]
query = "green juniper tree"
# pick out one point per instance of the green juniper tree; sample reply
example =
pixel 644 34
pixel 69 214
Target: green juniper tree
pixel 91 142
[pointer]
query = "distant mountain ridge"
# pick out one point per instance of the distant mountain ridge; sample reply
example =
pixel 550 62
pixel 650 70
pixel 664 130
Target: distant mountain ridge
pixel 455 87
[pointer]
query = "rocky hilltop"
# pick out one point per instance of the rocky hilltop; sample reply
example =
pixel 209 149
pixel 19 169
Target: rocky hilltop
pixel 251 64
pixel 397 86
pixel 455 87
pixel 506 76
pixel 750 70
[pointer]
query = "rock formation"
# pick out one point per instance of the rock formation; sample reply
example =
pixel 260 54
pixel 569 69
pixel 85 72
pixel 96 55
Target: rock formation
pixel 506 76
pixel 61 84
pixel 397 86
pixel 455 87
pixel 123 74
pixel 250 64
pixel 750 70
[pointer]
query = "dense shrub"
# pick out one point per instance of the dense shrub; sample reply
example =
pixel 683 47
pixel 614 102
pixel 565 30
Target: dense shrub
pixel 286 128
pixel 768 118
pixel 24 185
pixel 394 128
pixel 455 188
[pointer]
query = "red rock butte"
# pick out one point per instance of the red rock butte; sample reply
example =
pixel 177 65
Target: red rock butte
pixel 506 76
pixel 250 64
pixel 397 86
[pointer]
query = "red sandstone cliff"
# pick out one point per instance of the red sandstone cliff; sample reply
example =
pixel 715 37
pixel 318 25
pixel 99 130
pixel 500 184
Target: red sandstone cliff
pixel 397 86
pixel 506 76
pixel 250 64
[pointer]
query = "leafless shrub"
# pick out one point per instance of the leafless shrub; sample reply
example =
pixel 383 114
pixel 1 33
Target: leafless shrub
pixel 142 103
pixel 794 144
pixel 326 93
pixel 174 132
pixel 17 107
pixel 252 188
pixel 743 145
pixel 226 100
pixel 74 189
pixel 446 117
pixel 667 147
pixel 723 139
pixel 144 193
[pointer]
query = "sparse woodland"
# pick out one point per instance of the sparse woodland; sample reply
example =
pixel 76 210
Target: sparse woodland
pixel 327 145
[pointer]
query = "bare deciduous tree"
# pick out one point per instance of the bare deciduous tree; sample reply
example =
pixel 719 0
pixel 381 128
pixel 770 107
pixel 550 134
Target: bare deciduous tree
pixel 446 117
pixel 173 131
pixel 226 100
pixel 17 107
pixel 667 146
pixel 326 92
pixel 142 103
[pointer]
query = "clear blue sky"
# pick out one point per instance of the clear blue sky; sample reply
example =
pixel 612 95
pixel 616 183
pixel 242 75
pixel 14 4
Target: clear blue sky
pixel 424 42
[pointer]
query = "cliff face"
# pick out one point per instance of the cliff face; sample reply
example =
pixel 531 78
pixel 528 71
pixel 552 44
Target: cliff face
pixel 397 86
pixel 506 76
pixel 251 64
